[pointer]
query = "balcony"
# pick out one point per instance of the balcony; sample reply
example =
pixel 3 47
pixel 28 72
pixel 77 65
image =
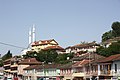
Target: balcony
pixel 78 74
pixel 105 72
pixel 15 65
pixel 14 71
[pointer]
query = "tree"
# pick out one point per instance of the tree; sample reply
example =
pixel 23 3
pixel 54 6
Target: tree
pixel 116 29
pixel 103 51
pixel 30 54
pixel 47 56
pixel 107 35
pixel 62 58
pixel 115 32
pixel 114 48
pixel 7 56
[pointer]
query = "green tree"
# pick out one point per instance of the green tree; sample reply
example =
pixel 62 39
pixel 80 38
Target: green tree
pixel 103 51
pixel 1 63
pixel 114 48
pixel 47 56
pixel 30 54
pixel 7 56
pixel 116 29
pixel 115 32
pixel 62 58
pixel 107 35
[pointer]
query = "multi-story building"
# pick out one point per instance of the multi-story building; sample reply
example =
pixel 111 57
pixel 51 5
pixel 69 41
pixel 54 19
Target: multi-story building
pixel 42 44
pixel 7 69
pixel 11 67
pixel 109 68
pixel 44 71
pixel 86 47
pixel 45 45
pixel 66 71
pixel 79 70
pixel 105 68
pixel 26 63
pixel 108 42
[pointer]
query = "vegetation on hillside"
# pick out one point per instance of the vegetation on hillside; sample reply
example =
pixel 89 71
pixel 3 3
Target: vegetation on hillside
pixel 8 55
pixel 115 32
pixel 114 48
pixel 50 56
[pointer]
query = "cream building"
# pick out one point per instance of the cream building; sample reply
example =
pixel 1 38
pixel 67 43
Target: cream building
pixel 42 44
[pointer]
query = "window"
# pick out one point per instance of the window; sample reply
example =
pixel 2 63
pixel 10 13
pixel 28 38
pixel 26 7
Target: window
pixel 115 68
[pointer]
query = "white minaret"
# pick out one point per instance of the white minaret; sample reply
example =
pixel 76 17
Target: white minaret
pixel 30 36
pixel 33 33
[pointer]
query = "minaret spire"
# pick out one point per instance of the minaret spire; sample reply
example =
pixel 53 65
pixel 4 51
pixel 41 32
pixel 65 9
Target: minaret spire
pixel 30 36
pixel 33 33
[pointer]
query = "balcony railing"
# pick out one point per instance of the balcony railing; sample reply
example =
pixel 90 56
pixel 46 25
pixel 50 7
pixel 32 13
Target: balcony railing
pixel 105 72
pixel 78 74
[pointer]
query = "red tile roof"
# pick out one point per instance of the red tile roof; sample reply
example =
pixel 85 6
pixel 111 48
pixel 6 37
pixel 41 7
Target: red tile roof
pixel 85 45
pixel 54 48
pixel 30 61
pixel 66 66
pixel 45 66
pixel 31 67
pixel 111 58
pixel 81 63
pixel 43 42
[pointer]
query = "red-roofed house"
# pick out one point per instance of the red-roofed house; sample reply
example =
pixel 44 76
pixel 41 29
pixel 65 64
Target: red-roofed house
pixel 45 45
pixel 75 70
pixel 86 47
pixel 57 48
pixel 37 72
pixel 26 63
pixel 109 68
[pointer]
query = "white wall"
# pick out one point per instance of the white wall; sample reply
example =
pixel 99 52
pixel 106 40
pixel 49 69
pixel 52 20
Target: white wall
pixel 113 68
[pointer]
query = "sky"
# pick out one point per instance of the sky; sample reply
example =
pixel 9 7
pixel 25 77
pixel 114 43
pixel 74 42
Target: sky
pixel 69 22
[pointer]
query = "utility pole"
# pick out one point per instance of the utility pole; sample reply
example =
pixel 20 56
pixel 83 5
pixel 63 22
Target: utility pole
pixel 90 66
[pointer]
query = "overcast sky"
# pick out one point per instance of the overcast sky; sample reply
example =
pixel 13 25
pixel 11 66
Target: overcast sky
pixel 67 21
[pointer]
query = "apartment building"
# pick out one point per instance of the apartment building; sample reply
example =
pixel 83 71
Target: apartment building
pixel 11 67
pixel 109 68
pixel 42 44
pixel 26 63
pixel 86 47
pixel 44 71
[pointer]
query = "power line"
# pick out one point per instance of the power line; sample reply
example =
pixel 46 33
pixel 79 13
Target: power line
pixel 12 45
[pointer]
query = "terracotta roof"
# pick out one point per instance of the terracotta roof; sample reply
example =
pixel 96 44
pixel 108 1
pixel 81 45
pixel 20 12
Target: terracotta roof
pixel 29 61
pixel 92 56
pixel 43 42
pixel 54 48
pixel 8 60
pixel 66 66
pixel 111 40
pixel 111 58
pixel 45 66
pixel 31 67
pixel 85 45
pixel 81 63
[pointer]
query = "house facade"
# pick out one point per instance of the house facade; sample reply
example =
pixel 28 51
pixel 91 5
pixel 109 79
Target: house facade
pixel 109 68
pixel 86 47
pixel 11 67
pixel 42 44
pixel 46 71
pixel 26 63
